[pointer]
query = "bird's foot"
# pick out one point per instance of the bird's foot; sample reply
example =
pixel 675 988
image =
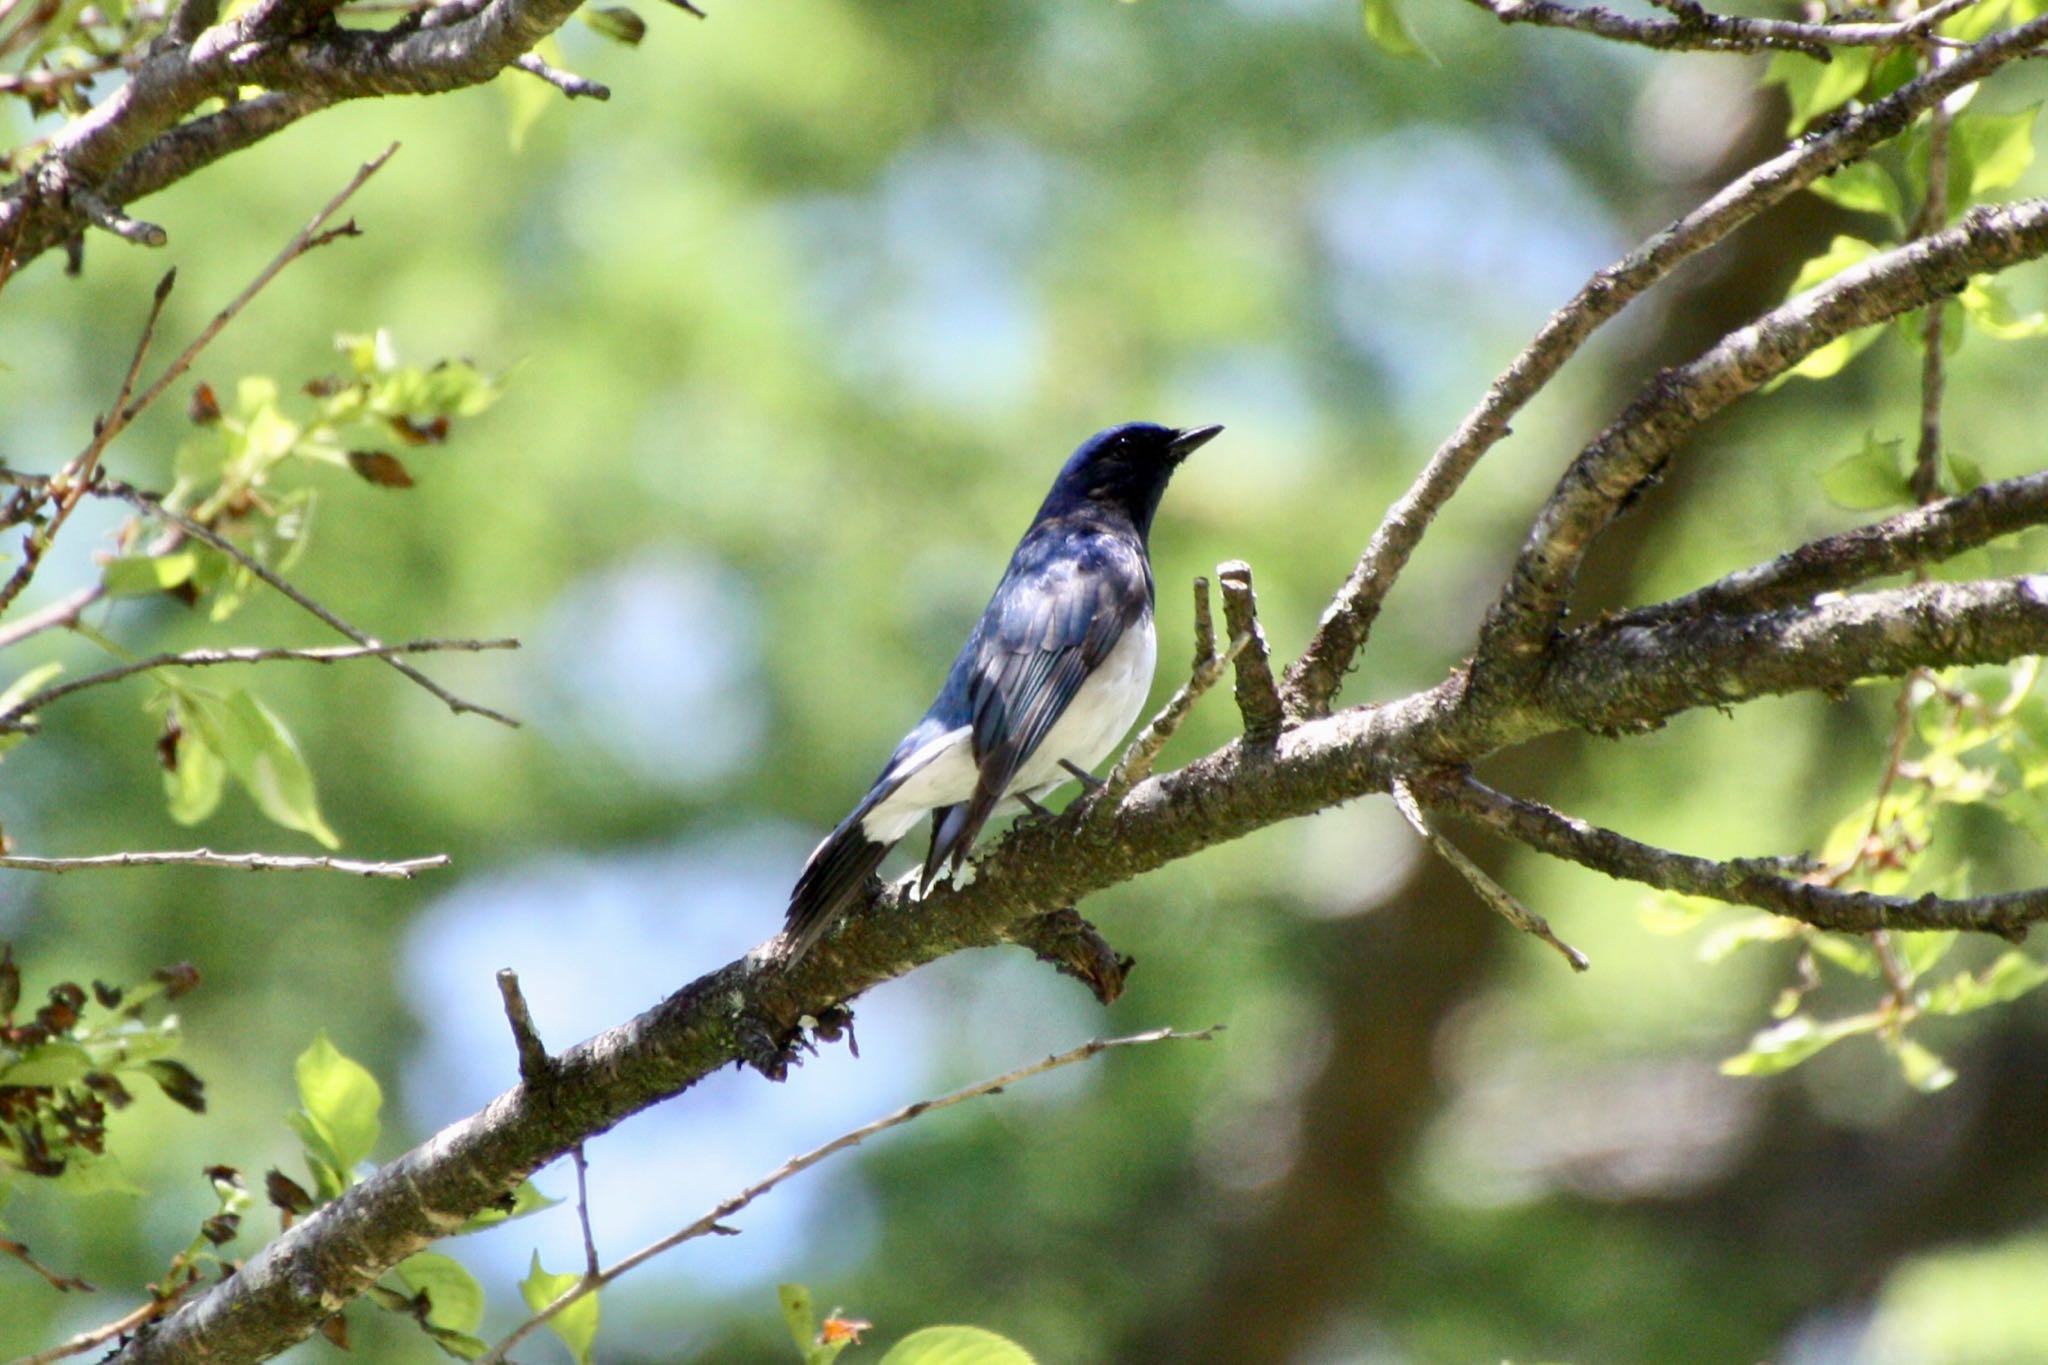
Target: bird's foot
pixel 1034 814
pixel 1082 775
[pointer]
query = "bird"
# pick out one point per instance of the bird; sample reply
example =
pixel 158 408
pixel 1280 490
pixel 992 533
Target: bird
pixel 1053 675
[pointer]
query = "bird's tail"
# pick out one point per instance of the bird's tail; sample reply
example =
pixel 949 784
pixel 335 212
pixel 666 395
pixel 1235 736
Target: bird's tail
pixel 831 879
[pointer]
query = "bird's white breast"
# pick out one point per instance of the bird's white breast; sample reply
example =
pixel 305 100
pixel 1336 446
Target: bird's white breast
pixel 1100 714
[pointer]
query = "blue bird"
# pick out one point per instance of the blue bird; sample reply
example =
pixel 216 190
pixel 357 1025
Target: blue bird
pixel 1052 677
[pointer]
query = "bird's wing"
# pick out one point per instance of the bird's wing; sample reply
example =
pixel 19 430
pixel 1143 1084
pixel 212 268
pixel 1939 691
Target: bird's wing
pixel 1061 609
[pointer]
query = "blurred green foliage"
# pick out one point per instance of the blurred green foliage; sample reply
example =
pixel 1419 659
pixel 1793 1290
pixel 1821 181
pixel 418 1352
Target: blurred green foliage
pixel 808 313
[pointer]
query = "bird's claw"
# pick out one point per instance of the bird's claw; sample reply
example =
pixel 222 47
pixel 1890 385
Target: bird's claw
pixel 1082 775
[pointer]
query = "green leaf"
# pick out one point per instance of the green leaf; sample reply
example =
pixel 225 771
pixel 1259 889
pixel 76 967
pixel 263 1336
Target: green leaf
pixel 1976 21
pixel 1923 1070
pixel 193 788
pixel 265 759
pixel 1843 252
pixel 54 1063
pixel 2010 977
pixel 1813 87
pixel 28 684
pixel 1863 187
pixel 1920 951
pixel 528 98
pixel 1873 477
pixel 1990 151
pixel 1784 1046
pixel 1851 955
pixel 616 23
pixel 1388 29
pixel 576 1325
pixel 526 1198
pixel 341 1100
pixel 455 1301
pixel 956 1346
pixel 1985 304
pixel 1741 933
pixel 1965 474
pixel 141 575
pixel 800 1317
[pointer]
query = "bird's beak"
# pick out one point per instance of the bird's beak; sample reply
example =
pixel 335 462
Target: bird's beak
pixel 1185 443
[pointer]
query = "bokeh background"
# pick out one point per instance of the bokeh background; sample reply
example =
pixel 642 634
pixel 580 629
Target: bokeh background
pixel 799 325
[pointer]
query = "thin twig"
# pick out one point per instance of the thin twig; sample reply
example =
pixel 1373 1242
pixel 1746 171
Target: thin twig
pixel 535 1066
pixel 1258 700
pixel 12 718
pixel 714 1221
pixel 591 1268
pixel 1492 892
pixel 1205 625
pixel 1697 29
pixel 98 1336
pixel 155 507
pixel 568 82
pixel 303 241
pixel 1925 535
pixel 403 869
pixel 1758 882
pixel 108 217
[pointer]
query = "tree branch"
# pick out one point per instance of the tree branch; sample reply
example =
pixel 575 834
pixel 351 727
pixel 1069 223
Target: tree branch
pixel 1630 454
pixel 1315 677
pixel 1697 29
pixel 1758 882
pixel 405 869
pixel 1925 535
pixel 14 717
pixel 749 1009
pixel 136 140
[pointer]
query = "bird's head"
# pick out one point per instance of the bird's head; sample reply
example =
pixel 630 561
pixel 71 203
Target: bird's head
pixel 1127 467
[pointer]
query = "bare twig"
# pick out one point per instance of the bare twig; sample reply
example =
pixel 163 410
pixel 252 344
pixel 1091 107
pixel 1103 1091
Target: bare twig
pixel 155 507
pixel 1925 535
pixel 1258 700
pixel 98 1336
pixel 1496 896
pixel 304 240
pixel 13 717
pixel 106 216
pixel 535 1066
pixel 403 869
pixel 591 1268
pixel 1697 29
pixel 714 1221
pixel 569 83
pixel 1314 678
pixel 1205 625
pixel 1758 882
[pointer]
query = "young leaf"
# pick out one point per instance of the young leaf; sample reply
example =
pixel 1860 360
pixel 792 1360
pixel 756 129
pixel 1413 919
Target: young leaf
pixel 1923 1070
pixel 1813 88
pixel 956 1346
pixel 1990 151
pixel 195 780
pixel 1985 304
pixel 2010 977
pixel 1920 951
pixel 616 23
pixel 1873 477
pixel 455 1301
pixel 1863 187
pixel 28 684
pixel 1784 1046
pixel 576 1325
pixel 141 575
pixel 341 1099
pixel 1389 31
pixel 526 1198
pixel 799 1316
pixel 265 759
